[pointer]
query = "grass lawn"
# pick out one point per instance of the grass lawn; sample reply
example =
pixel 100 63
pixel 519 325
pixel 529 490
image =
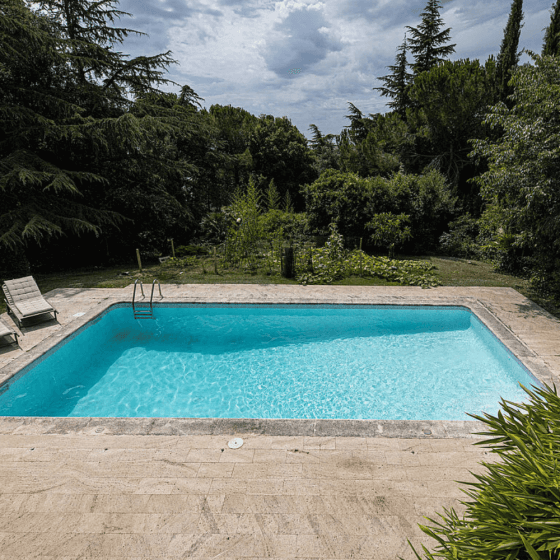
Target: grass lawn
pixel 450 271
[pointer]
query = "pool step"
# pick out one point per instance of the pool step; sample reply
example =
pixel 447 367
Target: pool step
pixel 143 313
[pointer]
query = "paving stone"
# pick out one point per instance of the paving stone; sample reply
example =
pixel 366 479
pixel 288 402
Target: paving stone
pixel 270 456
pixel 215 470
pixel 269 486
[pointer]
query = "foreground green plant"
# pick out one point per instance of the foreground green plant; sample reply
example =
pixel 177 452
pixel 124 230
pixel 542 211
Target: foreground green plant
pixel 522 183
pixel 515 509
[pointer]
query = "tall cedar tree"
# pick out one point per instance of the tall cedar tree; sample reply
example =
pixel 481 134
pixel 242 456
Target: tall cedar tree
pixel 427 42
pixel 37 197
pixel 91 37
pixel 551 45
pixel 397 83
pixel 62 84
pixel 359 125
pixel 509 56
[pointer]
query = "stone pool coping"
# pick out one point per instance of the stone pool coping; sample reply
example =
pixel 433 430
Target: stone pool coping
pixel 530 333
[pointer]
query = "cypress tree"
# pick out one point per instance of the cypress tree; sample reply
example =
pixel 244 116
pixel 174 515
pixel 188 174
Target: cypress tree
pixel 551 45
pixel 509 57
pixel 427 42
pixel 397 83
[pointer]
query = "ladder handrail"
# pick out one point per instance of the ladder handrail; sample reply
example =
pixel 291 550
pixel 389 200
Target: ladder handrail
pixel 134 292
pixel 152 294
pixel 145 312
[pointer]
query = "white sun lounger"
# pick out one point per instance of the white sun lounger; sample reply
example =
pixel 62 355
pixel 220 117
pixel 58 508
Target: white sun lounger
pixel 6 330
pixel 24 299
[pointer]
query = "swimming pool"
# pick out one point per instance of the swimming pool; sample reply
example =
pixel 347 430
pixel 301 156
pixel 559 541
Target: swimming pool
pixel 273 361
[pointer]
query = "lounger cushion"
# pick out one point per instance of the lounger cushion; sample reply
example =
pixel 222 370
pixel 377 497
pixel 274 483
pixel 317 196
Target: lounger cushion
pixel 33 306
pixel 23 289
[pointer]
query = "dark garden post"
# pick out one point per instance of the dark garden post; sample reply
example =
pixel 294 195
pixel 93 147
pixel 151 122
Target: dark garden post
pixel 288 262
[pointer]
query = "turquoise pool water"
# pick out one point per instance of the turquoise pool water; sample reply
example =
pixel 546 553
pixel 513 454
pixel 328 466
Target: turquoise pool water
pixel 259 361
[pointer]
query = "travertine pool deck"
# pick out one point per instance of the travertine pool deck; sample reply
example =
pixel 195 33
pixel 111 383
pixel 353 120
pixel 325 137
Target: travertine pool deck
pixel 171 488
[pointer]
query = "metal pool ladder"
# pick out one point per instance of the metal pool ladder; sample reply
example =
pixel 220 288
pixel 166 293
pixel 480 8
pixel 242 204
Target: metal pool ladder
pixel 141 310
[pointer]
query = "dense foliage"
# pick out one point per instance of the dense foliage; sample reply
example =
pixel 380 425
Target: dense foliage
pixel 257 235
pixel 41 79
pixel 279 151
pixel 334 262
pixel 461 239
pixel 78 157
pixel 352 202
pixel 521 187
pixel 451 101
pixel 389 230
pixel 514 508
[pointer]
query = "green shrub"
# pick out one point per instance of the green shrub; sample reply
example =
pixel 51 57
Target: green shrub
pixel 327 263
pixel 246 232
pixel 294 226
pixel 389 230
pixel 461 239
pixel 500 244
pixel 342 198
pixel 514 512
pixel 427 200
pixel 214 227
pixel 351 202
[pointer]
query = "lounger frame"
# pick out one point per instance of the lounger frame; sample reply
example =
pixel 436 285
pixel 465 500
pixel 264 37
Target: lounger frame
pixel 6 330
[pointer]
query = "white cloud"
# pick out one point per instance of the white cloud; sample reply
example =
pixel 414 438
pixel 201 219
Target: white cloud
pixel 239 52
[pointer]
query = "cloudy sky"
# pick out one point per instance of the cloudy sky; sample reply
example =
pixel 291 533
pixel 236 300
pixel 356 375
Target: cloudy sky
pixel 306 59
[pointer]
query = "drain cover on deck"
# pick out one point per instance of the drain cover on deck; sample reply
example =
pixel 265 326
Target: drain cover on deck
pixel 235 443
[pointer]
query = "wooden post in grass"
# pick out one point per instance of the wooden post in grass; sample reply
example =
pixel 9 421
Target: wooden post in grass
pixel 215 261
pixel 172 248
pixel 139 261
pixel 361 260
